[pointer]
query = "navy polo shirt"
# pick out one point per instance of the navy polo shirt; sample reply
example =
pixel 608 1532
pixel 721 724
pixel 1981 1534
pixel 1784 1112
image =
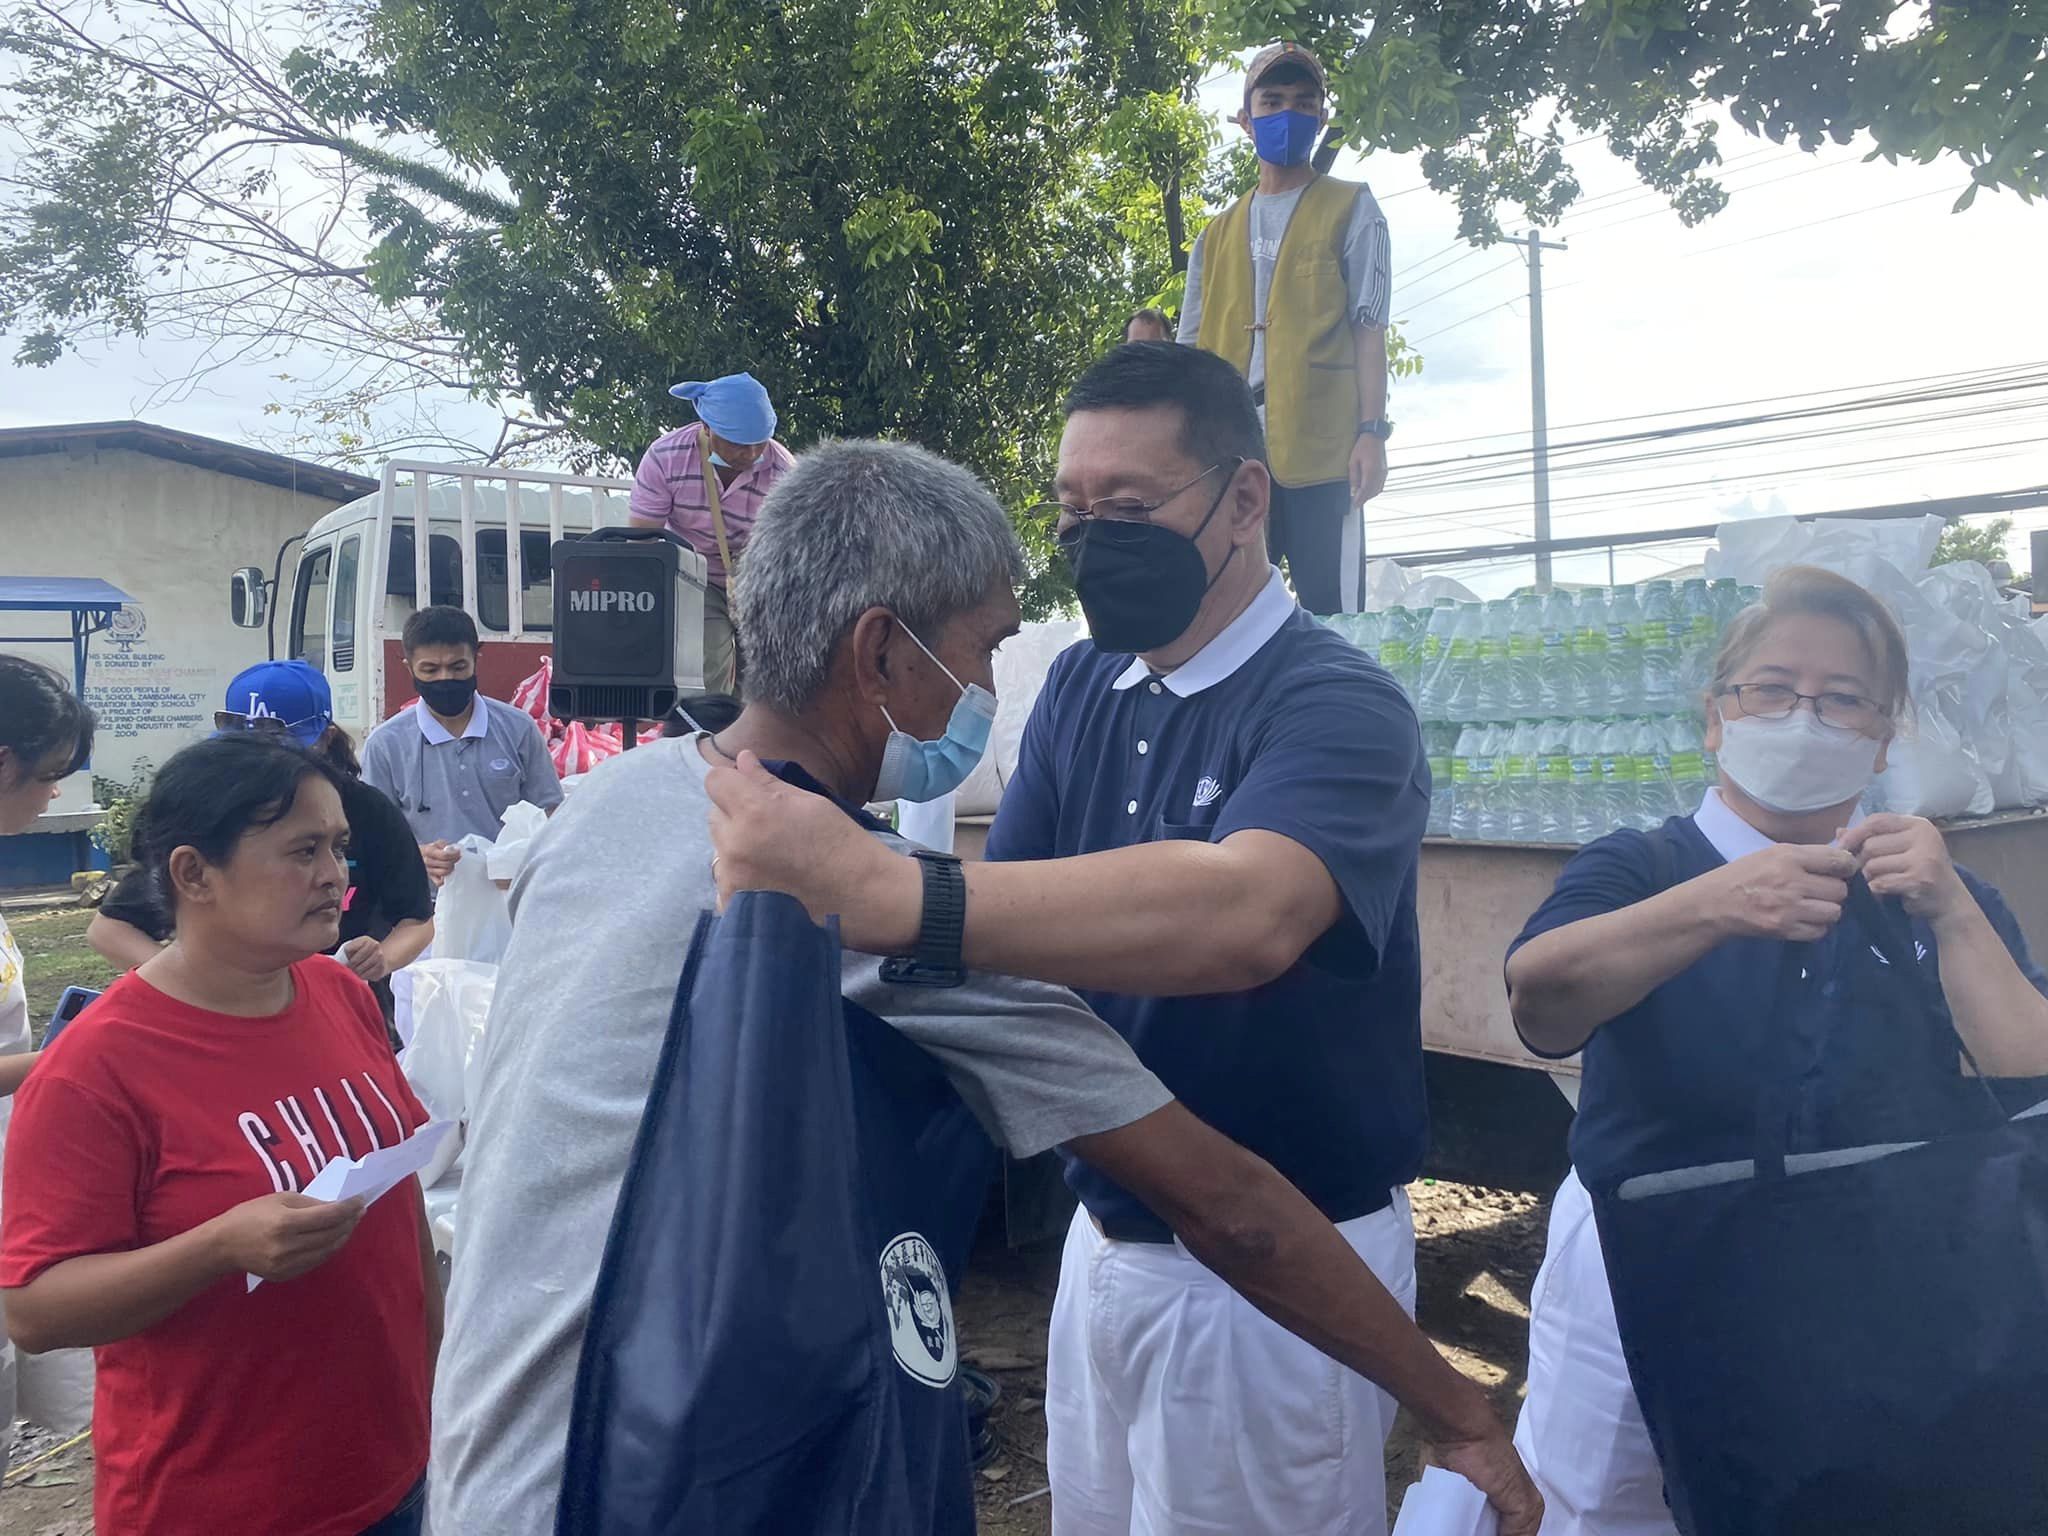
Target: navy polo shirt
pixel 1674 1081
pixel 1283 726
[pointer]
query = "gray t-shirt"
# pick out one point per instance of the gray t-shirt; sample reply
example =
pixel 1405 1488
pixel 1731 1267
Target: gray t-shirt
pixel 602 916
pixel 1367 263
pixel 452 786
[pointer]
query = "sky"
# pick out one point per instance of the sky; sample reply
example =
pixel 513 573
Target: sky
pixel 1825 279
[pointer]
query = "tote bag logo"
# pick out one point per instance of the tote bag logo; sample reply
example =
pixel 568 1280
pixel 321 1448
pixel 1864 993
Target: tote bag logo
pixel 920 1311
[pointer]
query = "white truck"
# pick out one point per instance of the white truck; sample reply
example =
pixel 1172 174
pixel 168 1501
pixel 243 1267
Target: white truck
pixel 361 570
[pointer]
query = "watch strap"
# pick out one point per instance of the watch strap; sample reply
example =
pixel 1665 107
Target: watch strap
pixel 935 962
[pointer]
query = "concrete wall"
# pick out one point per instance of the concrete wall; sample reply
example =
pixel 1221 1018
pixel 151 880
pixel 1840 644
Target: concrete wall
pixel 168 534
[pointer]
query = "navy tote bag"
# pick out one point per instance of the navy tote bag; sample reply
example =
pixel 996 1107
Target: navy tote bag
pixel 1844 1341
pixel 770 1348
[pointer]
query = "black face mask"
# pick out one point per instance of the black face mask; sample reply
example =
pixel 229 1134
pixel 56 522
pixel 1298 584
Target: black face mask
pixel 447 696
pixel 1140 584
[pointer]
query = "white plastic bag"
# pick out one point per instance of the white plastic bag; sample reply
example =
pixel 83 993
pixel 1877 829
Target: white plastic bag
pixel 1445 1504
pixel 55 1390
pixel 1929 772
pixel 507 856
pixel 471 918
pixel 451 1001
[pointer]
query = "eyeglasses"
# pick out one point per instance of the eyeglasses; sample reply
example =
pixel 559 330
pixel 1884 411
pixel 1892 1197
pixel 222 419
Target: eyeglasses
pixel 262 725
pixel 1774 701
pixel 1121 509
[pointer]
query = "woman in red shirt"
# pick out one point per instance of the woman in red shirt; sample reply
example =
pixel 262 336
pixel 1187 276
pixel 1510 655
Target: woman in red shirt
pixel 156 1156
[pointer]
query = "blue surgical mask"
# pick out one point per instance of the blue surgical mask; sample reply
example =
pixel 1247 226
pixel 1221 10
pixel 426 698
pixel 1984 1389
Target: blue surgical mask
pixel 718 460
pixel 918 771
pixel 1286 138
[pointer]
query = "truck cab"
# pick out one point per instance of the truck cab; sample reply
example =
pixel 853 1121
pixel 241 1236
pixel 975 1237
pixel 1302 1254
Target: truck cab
pixel 361 570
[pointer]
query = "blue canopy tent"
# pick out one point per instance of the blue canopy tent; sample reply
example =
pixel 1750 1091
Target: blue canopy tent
pixel 52 853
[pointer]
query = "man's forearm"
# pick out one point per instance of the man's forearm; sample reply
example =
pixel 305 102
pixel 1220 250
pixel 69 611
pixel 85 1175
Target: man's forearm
pixel 407 942
pixel 1174 919
pixel 1369 356
pixel 120 943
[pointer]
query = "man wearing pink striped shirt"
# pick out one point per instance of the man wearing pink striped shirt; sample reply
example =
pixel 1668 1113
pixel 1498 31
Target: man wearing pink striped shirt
pixel 705 484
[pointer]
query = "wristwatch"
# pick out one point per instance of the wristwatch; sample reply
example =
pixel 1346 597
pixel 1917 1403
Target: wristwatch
pixel 935 962
pixel 1380 428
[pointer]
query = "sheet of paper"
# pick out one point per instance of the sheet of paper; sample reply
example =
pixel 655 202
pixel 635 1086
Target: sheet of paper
pixel 374 1175
pixel 1445 1504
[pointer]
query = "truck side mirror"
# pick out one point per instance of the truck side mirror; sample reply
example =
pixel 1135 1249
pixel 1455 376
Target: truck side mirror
pixel 248 598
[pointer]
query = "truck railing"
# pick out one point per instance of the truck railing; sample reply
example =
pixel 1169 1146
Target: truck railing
pixel 467 478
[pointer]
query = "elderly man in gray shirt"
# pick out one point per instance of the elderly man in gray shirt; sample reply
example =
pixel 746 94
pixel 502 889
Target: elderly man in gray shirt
pixel 456 761
pixel 878 584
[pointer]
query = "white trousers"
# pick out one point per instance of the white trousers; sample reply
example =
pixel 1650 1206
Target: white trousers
pixel 1581 1433
pixel 1174 1406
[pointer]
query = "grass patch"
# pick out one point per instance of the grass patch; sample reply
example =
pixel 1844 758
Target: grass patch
pixel 54 955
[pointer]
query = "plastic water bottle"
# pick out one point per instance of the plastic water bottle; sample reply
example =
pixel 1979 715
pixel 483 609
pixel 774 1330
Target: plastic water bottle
pixel 1493 687
pixel 1697 634
pixel 1659 629
pixel 1489 782
pixel 1656 798
pixel 1688 761
pixel 1397 636
pixel 1365 633
pixel 1553 781
pixel 1727 596
pixel 1620 805
pixel 1525 656
pixel 1521 818
pixel 1556 693
pixel 1440 742
pixel 1624 652
pixel 1460 669
pixel 1465 789
pixel 1588 793
pixel 1589 652
pixel 1432 651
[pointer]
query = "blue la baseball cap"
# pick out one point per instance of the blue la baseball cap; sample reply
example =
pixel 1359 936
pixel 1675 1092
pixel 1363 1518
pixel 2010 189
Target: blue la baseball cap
pixel 289 692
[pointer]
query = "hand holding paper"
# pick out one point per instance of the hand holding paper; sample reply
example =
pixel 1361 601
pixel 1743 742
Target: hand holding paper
pixel 373 1176
pixel 1445 1504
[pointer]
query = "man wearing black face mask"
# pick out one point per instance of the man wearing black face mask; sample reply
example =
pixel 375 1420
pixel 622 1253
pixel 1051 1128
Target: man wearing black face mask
pixel 1212 834
pixel 456 761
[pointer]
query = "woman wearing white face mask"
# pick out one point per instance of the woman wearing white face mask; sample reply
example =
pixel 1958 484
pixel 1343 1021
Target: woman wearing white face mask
pixel 1661 964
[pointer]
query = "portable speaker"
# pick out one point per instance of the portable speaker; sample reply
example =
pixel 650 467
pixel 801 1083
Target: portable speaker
pixel 629 625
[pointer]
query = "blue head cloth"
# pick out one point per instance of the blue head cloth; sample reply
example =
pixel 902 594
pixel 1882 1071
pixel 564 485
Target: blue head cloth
pixel 736 407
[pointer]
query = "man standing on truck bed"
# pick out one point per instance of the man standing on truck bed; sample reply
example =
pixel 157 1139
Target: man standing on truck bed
pixel 455 761
pixel 705 483
pixel 1212 833
pixel 1291 284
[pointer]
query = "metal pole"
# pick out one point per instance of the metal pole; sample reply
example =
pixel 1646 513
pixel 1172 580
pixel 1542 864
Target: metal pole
pixel 1539 417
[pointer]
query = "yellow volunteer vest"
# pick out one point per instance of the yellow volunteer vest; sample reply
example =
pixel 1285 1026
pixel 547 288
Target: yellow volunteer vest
pixel 1311 368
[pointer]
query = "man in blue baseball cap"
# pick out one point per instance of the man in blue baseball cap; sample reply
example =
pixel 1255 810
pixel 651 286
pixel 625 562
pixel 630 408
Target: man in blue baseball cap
pixel 286 698
pixel 705 484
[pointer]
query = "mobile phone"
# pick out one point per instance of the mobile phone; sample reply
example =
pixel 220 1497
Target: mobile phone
pixel 74 1002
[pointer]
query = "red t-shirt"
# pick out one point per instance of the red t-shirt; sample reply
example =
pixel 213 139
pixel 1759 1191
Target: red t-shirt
pixel 300 1407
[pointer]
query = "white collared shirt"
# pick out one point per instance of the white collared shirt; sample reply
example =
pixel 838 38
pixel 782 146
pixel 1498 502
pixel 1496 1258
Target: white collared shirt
pixel 438 734
pixel 1237 643
pixel 1732 837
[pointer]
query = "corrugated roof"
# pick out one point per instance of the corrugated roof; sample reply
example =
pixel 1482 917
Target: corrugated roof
pixel 256 464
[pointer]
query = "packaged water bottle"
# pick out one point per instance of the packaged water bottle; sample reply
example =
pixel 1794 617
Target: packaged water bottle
pixel 1525 657
pixel 1659 629
pixel 1588 793
pixel 1556 693
pixel 1656 798
pixel 1440 741
pixel 1620 806
pixel 1553 781
pixel 1688 761
pixel 1460 669
pixel 1521 818
pixel 1727 596
pixel 1493 693
pixel 1489 782
pixel 1624 652
pixel 1396 647
pixel 1432 657
pixel 1589 652
pixel 1697 637
pixel 1465 789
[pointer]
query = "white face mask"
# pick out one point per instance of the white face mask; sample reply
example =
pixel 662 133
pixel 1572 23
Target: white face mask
pixel 1796 764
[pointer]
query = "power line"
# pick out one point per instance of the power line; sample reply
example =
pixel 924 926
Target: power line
pixel 1503 304
pixel 1416 304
